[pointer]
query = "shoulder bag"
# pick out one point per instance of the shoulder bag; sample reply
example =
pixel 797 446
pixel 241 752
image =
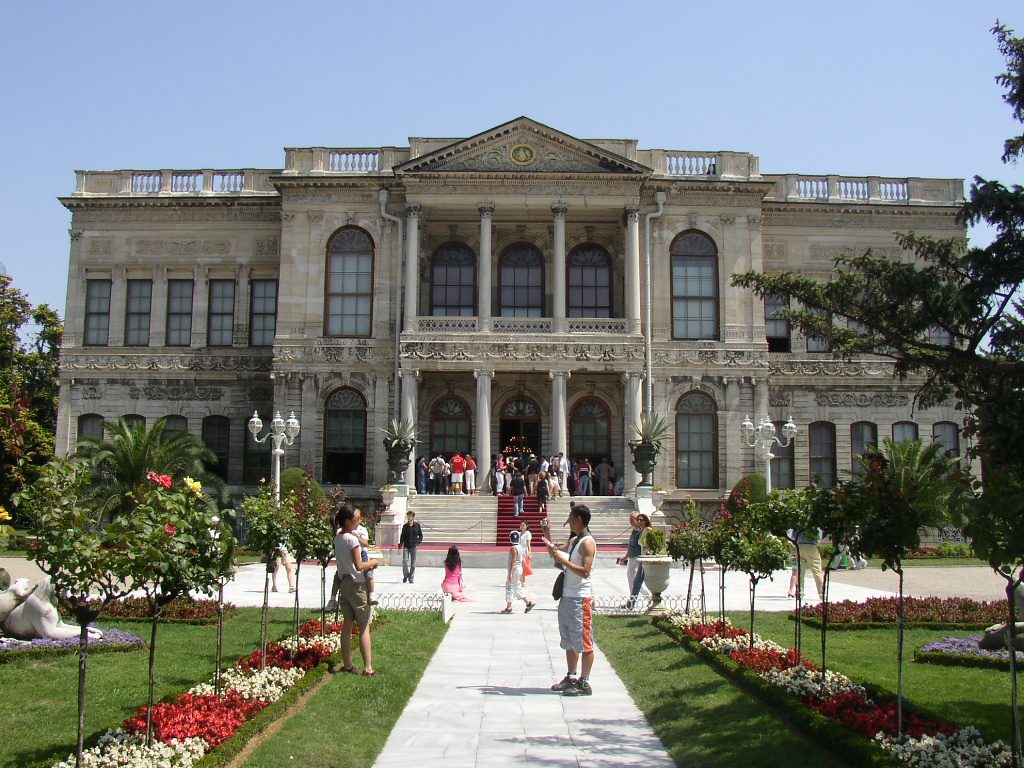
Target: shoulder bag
pixel 559 585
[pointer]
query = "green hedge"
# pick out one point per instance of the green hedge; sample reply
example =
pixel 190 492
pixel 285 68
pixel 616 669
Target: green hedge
pixel 815 623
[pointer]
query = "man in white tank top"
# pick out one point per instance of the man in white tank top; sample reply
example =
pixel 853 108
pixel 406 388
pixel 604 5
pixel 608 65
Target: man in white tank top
pixel 575 608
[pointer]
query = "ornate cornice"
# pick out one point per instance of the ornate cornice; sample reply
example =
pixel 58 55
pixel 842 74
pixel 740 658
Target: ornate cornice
pixel 198 361
pixel 861 399
pixel 173 393
pixel 831 367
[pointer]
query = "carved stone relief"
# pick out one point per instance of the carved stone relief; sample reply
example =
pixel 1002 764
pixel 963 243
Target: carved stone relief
pixel 180 248
pixel 830 368
pixel 100 246
pixel 175 393
pixel 861 399
pixel 268 246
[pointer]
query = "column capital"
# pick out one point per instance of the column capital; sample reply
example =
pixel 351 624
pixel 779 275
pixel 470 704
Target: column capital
pixel 632 213
pixel 410 373
pixel 483 373
pixel 559 209
pixel 486 209
pixel 627 375
pixel 413 209
pixel 555 374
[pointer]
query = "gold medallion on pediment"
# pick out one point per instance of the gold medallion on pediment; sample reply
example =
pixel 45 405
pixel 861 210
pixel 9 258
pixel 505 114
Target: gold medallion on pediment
pixel 522 154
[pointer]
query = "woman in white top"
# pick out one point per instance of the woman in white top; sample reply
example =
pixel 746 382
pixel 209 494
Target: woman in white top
pixel 354 599
pixel 515 589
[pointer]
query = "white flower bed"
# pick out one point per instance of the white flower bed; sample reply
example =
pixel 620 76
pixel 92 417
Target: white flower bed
pixel 963 749
pixel 119 749
pixel 267 684
pixel 332 641
pixel 800 681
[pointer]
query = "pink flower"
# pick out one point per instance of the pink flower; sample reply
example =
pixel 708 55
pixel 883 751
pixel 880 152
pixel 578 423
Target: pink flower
pixel 161 480
pixel 170 530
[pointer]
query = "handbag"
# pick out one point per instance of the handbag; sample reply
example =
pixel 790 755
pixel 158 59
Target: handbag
pixel 528 564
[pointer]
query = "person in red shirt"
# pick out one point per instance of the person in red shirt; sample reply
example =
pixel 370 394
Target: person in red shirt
pixel 470 474
pixel 583 472
pixel 458 470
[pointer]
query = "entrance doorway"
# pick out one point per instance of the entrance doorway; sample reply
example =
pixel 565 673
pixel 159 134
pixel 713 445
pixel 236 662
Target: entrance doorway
pixel 519 427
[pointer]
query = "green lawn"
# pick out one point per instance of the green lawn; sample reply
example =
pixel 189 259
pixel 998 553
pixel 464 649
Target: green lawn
pixel 38 707
pixel 702 719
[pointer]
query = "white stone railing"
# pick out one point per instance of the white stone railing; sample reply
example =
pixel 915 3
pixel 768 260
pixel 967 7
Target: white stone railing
pixel 615 325
pixel 865 189
pixel 447 324
pixel 521 324
pixel 717 165
pixel 167 182
pixel 300 161
pixel 691 165
pixel 353 161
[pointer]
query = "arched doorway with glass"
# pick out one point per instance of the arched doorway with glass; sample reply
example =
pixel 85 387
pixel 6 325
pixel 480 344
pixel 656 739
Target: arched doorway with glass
pixel 450 427
pixel 589 431
pixel 345 438
pixel 519 427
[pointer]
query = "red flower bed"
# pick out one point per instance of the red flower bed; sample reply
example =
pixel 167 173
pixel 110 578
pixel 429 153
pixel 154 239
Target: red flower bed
pixel 181 609
pixel 762 659
pixel 211 718
pixel 718 629
pixel 312 628
pixel 277 656
pixel 850 709
pixel 950 610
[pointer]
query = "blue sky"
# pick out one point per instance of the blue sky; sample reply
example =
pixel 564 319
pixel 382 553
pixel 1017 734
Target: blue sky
pixel 883 88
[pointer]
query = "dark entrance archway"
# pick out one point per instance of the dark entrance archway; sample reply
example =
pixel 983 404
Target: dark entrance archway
pixel 519 427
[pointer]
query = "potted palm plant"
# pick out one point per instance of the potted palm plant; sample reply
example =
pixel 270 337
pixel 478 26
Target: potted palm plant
pixel 399 440
pixel 650 433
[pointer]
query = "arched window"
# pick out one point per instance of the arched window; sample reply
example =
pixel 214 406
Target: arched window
pixel 172 426
pixel 345 438
pixel 522 282
pixel 134 420
pixel 217 437
pixel 590 282
pixel 694 287
pixel 453 281
pixel 450 427
pixel 821 436
pixel 948 435
pixel 903 431
pixel 90 425
pixel 863 438
pixel 589 430
pixel 349 294
pixel 783 465
pixel 696 442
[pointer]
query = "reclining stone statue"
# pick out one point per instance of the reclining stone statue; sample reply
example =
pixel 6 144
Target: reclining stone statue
pixel 995 636
pixel 32 614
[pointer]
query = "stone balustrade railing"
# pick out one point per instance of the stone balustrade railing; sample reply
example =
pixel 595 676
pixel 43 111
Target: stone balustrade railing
pixel 711 165
pixel 447 324
pixel 305 161
pixel 464 324
pixel 206 181
pixel 865 189
pixel 612 325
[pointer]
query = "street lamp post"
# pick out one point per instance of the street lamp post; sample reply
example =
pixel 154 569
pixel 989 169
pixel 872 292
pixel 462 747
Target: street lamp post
pixel 281 432
pixel 762 437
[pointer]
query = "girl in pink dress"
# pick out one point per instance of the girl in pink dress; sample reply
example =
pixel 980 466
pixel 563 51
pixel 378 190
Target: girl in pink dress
pixel 452 584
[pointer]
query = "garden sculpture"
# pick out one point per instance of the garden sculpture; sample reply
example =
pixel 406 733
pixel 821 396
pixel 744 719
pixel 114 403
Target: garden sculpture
pixel 995 636
pixel 35 616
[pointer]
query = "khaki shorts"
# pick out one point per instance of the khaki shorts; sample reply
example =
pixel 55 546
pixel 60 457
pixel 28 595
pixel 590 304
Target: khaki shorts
pixel 355 601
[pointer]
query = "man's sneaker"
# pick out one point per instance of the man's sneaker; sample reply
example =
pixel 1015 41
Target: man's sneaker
pixel 373 598
pixel 564 684
pixel 332 605
pixel 579 688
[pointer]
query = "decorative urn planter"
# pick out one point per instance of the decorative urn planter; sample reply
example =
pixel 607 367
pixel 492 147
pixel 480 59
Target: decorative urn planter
pixel 398 460
pixel 645 458
pixel 657 570
pixel 387 495
pixel 658 498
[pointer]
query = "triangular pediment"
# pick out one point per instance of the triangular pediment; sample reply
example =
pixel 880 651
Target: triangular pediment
pixel 522 146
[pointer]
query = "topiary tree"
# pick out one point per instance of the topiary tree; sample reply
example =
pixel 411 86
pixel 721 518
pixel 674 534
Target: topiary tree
pixel 691 541
pixel 268 528
pixel 87 567
pixel 758 554
pixel 312 527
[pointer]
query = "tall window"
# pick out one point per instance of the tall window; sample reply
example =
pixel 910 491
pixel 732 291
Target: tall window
pixel 173 425
pixel 694 287
pixel 783 465
pixel 349 284
pixel 947 435
pixel 263 313
pixel 217 437
pixel 135 421
pixel 345 438
pixel 903 431
pixel 590 282
pixel 522 282
pixel 222 313
pixel 776 326
pixel 453 281
pixel 590 427
pixel 863 438
pixel 696 442
pixel 818 343
pixel 821 436
pixel 136 322
pixel 90 425
pixel 450 426
pixel 179 313
pixel 97 312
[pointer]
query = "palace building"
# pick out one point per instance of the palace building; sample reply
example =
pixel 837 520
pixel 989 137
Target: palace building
pixel 519 285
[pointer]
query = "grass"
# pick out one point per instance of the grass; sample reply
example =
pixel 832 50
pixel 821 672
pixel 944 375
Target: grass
pixel 366 709
pixel 701 718
pixel 39 711
pixel 962 695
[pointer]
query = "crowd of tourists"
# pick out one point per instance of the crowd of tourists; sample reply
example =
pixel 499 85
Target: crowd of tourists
pixel 460 474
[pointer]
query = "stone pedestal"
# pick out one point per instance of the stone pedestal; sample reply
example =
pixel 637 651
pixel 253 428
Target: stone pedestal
pixel 648 501
pixel 392 517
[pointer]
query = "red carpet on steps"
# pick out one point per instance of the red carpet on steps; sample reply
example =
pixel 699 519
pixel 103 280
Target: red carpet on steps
pixel 508 522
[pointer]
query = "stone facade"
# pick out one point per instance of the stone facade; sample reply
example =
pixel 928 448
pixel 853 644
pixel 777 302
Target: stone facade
pixel 519 283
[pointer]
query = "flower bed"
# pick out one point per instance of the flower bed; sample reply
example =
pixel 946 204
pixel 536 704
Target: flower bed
pixel 112 640
pixel 182 610
pixel 839 713
pixel 966 652
pixel 187 727
pixel 924 612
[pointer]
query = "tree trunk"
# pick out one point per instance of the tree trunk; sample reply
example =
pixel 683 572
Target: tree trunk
pixel 798 638
pixel 689 586
pixel 266 608
pixel 155 619
pixel 721 593
pixel 753 591
pixel 703 599
pixel 323 599
pixel 899 652
pixel 220 638
pixel 824 618
pixel 295 613
pixel 1011 632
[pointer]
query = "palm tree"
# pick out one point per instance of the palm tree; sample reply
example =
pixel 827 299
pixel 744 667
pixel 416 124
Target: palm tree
pixel 121 460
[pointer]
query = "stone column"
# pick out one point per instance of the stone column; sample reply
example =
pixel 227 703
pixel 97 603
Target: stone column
pixel 631 418
pixel 760 409
pixel 633 267
pixel 729 433
pixel 483 428
pixel 558 409
pixel 158 308
pixel 484 287
pixel 200 306
pixel 242 298
pixel 118 303
pixel 412 271
pixel 410 392
pixel 307 419
pixel 560 324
